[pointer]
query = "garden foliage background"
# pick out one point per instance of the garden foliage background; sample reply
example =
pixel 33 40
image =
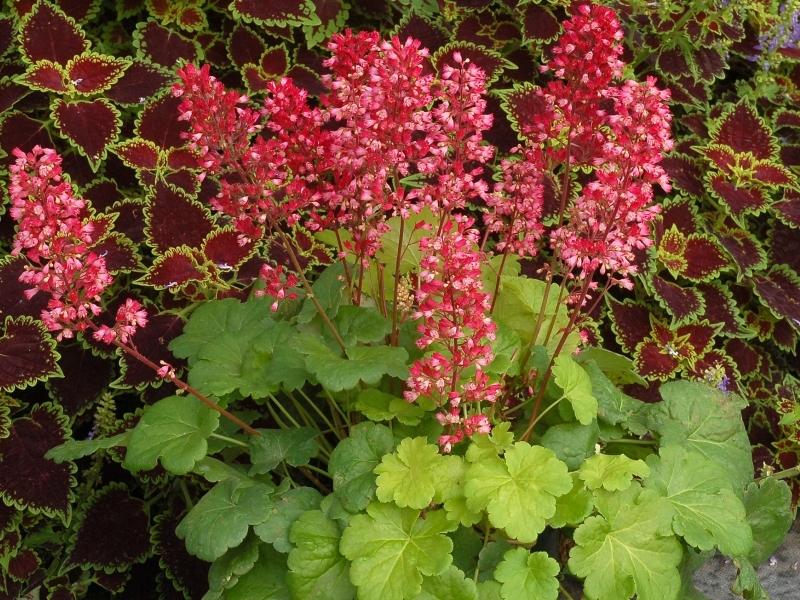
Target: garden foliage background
pixel 715 301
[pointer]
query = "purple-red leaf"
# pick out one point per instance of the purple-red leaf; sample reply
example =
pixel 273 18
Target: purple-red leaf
pixel 785 336
pixel 521 104
pixel 130 219
pixel 275 61
pixel 23 565
pixel 306 79
pixel 681 303
pixel 13 302
pixel 185 181
pixel 746 359
pixel 119 253
pixel 788 209
pixel 787 118
pixel 489 61
pixel 685 173
pixel 6 33
pixel 710 63
pixel 780 291
pixel 92 73
pixel 704 258
pixel 175 220
pixel 138 153
pixel 654 361
pixel 182 158
pixel 113 582
pixel 680 213
pixel 48 34
pixel 245 45
pixel 743 247
pixel 275 12
pixel 164 46
pixel 27 354
pixel 86 376
pixel 419 27
pixel 630 321
pixel 140 82
pixel 739 201
pixel 20 131
pixel 222 248
pixel 538 23
pixel 254 79
pixel 673 62
pixel 102 194
pixel 152 342
pixel 187 572
pixel 159 123
pixel 742 130
pixel 173 269
pixel 114 531
pixel 91 126
pixel 28 480
pixel 771 174
pixel 46 76
pixel 11 93
pixel 720 308
pixel 720 157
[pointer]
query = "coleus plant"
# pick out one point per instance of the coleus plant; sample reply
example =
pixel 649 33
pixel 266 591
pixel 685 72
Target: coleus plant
pixel 308 202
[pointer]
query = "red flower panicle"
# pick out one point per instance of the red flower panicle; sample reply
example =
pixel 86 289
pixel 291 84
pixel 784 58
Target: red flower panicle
pixel 275 286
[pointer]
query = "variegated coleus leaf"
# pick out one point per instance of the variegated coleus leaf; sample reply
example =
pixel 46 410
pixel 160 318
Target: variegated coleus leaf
pixel 273 64
pixel 682 303
pixel 780 291
pixel 140 82
pixel 744 356
pixel 696 256
pixel 174 269
pixel 277 12
pixel 538 23
pixel 741 129
pixel 91 73
pixel 668 349
pixel 91 126
pixel 630 321
pixel 86 377
pixel 173 219
pixel 244 45
pixel 747 253
pixel 186 14
pixel 27 353
pixel 163 46
pixel 47 33
pixel 788 208
pixel 490 61
pixel 418 26
pixel 685 173
pixel 720 308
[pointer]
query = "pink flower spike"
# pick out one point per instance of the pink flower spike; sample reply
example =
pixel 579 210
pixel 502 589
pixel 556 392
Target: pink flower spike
pixel 105 334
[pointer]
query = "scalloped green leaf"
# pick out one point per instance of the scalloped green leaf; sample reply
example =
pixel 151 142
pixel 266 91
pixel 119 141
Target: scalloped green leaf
pixel 577 388
pixel 527 576
pixel 407 477
pixel 611 472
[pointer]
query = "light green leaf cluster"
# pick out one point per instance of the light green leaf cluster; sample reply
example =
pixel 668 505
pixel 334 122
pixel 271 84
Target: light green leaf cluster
pixel 612 472
pixel 353 462
pixel 408 476
pixel 224 572
pixel 295 446
pixel 577 388
pixel 287 508
pixel 574 506
pixel 519 492
pixel 450 585
pixel 527 576
pixel 391 548
pixel 174 430
pixel 380 406
pixel 769 515
pixel 485 445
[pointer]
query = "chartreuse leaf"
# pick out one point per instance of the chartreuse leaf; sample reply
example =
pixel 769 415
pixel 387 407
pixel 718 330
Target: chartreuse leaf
pixel 574 506
pixel 621 552
pixel 226 570
pixel 408 476
pixel 450 585
pixel 72 449
pixel 577 388
pixel 316 567
pixel 353 461
pixel 707 421
pixel 450 491
pixel 519 492
pixel 527 576
pixel 363 363
pixel 221 518
pixel 612 472
pixel 173 429
pixel 295 446
pixel 484 445
pixel 489 590
pixel 391 548
pixel 706 512
pixel 214 470
pixel 285 511
pixel 380 406
pixel 769 515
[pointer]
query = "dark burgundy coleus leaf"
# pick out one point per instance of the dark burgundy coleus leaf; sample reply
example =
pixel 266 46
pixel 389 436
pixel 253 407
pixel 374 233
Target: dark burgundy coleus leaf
pixel 713 360
pixel 292 12
pixel 787 118
pixel 130 219
pixel 164 46
pixel 655 361
pixel 306 79
pixel 11 93
pixel 173 269
pixel 788 209
pixel 13 302
pixel 102 194
pixel 49 34
pixel 140 82
pixel 80 10
pixel 490 61
pixel 92 73
pixel 419 27
pixel 152 342
pixel 630 321
pixel 188 572
pixel 9 516
pixel 681 303
pixel 684 173
pixel 175 220
pixel 742 130
pixel 770 174
pixel 739 201
pixel 704 258
pixel 9 543
pixel 119 253
pixel 785 336
pixel 138 153
pixel 6 33
pixel 86 376
pixel 27 479
pixel 222 248
pixel 159 123
pixel 114 531
pixel 681 213
pixel 181 158
pixel 673 62
pixel 743 247
pixel 785 246
pixel 27 354
pixel 23 565
pixel 710 63
pixel 746 359
pixel 245 45
pixel 721 157
pixel 20 131
pixel 762 324
pixel 538 23
pixel 184 180
pixel 191 19
pixel 91 126
pixel 688 91
pixel 521 104
pixel 254 79
pixel 720 308
pixel 790 155
pixel 275 61
pixel 113 582
pixel 780 291
pixel 46 76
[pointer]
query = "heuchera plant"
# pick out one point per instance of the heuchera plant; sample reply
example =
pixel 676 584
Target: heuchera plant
pixel 392 286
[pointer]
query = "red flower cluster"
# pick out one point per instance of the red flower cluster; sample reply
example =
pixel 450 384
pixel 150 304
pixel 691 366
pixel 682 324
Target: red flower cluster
pixel 129 316
pixel 453 310
pixel 276 287
pixel 56 231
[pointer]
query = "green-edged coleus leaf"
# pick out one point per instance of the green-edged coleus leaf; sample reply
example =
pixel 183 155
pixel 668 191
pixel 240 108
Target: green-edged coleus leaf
pixel 788 209
pixel 491 62
pixel 627 549
pixel 317 569
pixel 577 388
pixel 742 130
pixel 140 82
pixel 611 472
pixel 47 33
pixel 518 491
pixel 705 420
pixel 696 256
pixel 769 515
pixel 363 363
pixel 706 511
pixel 174 430
pixel 92 126
pixel 273 446
pixel 286 510
pixel 173 219
pixel 187 573
pixel 520 104
pixel 391 548
pixel 685 173
pixel 28 480
pixel 408 476
pixel 113 531
pixel 538 23
pixel 527 576
pixel 163 46
pixel 173 270
pixel 353 462
pixel 720 308
pixel 668 348
pixel 630 321
pixel 91 73
pixel 739 201
pixel 682 303
pixel 224 248
pixel 27 354
pixel 780 289
pixel 46 76
pixel 22 565
pixel 221 519
pixel 138 153
pixel 244 45
pixel 283 12
pixel 744 248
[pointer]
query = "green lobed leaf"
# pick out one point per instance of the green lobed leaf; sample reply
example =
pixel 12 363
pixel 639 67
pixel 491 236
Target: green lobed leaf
pixel 467 544
pixel 612 472
pixel 572 442
pixel 391 548
pixel 519 492
pixel 527 576
pixel 747 583
pixel 286 509
pixel 408 476
pixel 221 518
pixel 353 461
pixel 706 512
pixel 489 590
pixel 295 446
pixel 574 506
pixel 72 449
pixel 490 557
pixel 226 570
pixel 450 479
pixel 450 585
pixel 616 367
pixel 360 324
pixel 623 550
pixel 380 406
pixel 577 388
pixel 769 514
pixel 317 569
pixel 485 445
pixel 265 581
pixel 328 290
pixel 173 429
